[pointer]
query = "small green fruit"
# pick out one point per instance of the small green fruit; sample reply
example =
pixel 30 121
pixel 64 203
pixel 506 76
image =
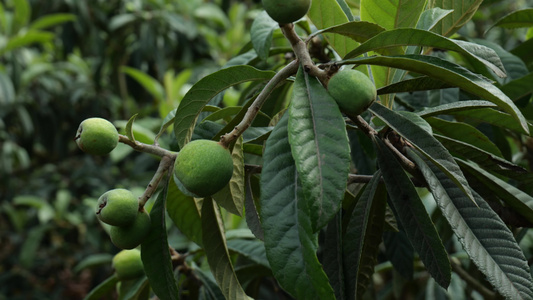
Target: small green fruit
pixel 129 237
pixel 128 264
pixel 117 207
pixel 97 136
pixel 204 167
pixel 352 90
pixel 286 11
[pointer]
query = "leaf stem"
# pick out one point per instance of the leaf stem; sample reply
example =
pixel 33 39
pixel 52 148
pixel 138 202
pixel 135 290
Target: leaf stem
pixel 246 121
pixel 165 165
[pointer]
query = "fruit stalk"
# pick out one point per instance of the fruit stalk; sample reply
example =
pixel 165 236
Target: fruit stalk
pixel 165 165
pixel 150 149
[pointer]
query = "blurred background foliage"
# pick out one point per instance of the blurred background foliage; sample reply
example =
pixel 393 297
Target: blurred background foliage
pixel 62 61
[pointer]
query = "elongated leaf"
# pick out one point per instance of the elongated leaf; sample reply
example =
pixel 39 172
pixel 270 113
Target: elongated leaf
pixel 290 242
pixel 388 43
pixel 430 17
pixel 154 87
pixel 413 216
pixel 328 13
pixel 363 237
pixel 516 19
pixel 155 253
pixel 455 106
pixel 513 197
pixel 26 39
pixel 462 12
pixel 21 15
pixel 464 132
pixel 319 143
pixel 129 128
pixel 519 88
pixel 452 74
pixel 251 249
pixel 422 83
pixel 51 20
pixel 185 214
pixel 204 90
pixel 424 142
pixel 104 288
pixel 491 116
pixel 261 32
pixel 332 260
pixel 359 31
pixel 486 239
pixel 217 253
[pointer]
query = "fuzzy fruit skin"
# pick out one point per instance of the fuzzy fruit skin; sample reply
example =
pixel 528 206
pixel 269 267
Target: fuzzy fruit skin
pixel 117 207
pixel 286 11
pixel 352 90
pixel 204 167
pixel 97 136
pixel 129 237
pixel 128 264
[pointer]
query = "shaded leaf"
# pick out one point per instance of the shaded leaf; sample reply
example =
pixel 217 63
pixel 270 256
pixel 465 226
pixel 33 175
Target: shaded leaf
pixel 359 31
pixel 217 253
pixel 104 288
pixel 185 213
pixel 251 249
pixel 413 216
pixel 455 106
pixel 155 252
pixel 462 12
pixel 319 143
pixel 516 19
pixel 261 32
pixel 395 14
pixel 332 260
pixel 129 128
pixel 154 87
pixel 486 239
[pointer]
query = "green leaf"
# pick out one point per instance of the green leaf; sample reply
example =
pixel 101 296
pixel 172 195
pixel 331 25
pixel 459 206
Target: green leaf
pixel 363 236
pixel 332 260
pixel 450 73
pixel 217 253
pixel 328 13
pixel 465 133
pixel 519 87
pixel 129 129
pixel 204 90
pixel 424 142
pixel 51 20
pixel 290 242
pixel 462 12
pixel 154 87
pixel 104 288
pixel 422 83
pixel 413 216
pixel 491 116
pixel 27 38
pixel 319 143
pixel 251 249
pixel 389 42
pixel 455 106
pixel 155 252
pixel 21 15
pixel 430 17
pixel 167 121
pixel 359 31
pixel 395 14
pixel 7 90
pixel 185 214
pixel 486 239
pixel 517 19
pixel 93 260
pixel 261 32
pixel 513 197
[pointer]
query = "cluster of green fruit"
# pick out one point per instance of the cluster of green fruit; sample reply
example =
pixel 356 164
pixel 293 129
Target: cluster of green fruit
pixel 129 222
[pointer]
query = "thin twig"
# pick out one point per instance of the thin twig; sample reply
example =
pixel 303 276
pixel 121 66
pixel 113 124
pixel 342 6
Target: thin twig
pixel 141 147
pixel 165 165
pixel 246 121
pixel 476 285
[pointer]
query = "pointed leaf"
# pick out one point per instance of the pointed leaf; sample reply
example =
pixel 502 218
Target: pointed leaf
pixel 319 144
pixel 388 43
pixel 424 142
pixel 452 74
pixel 430 17
pixel 105 287
pixel 51 20
pixel 517 19
pixel 129 128
pixel 332 260
pixel 513 197
pixel 216 250
pixel 359 31
pixel 413 216
pixel 251 249
pixel 455 106
pixel 154 87
pixel 155 252
pixel 462 12
pixel 486 239
pixel 290 242
pixel 204 90
pixel 363 236
pixel 261 32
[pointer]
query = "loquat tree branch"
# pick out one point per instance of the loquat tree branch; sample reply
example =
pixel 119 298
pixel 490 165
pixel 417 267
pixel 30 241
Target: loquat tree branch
pixel 246 121
pixel 150 149
pixel 166 165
